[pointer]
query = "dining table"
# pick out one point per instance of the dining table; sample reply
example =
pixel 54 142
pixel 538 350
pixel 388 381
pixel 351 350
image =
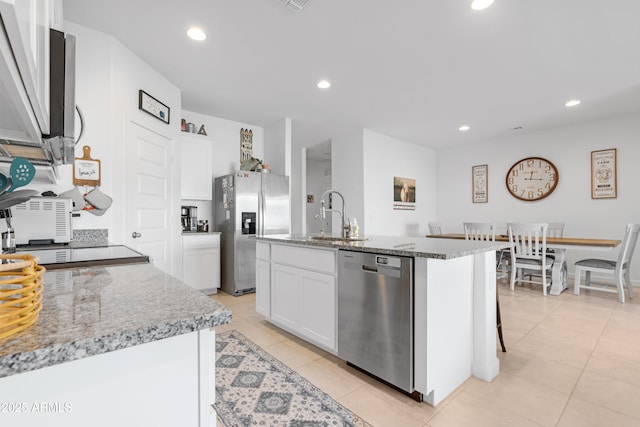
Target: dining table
pixel 560 245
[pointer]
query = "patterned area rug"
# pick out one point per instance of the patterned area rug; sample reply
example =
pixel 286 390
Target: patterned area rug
pixel 255 389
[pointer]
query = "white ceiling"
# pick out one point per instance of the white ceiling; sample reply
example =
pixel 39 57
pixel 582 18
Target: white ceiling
pixel 411 69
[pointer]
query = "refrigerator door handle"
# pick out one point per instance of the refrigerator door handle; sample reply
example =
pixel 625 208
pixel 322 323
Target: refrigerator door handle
pixel 260 225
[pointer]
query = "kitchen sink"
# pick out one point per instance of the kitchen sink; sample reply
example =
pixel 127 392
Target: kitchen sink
pixel 338 239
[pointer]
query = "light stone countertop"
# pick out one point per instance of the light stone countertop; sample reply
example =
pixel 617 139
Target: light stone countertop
pixel 95 310
pixel 394 245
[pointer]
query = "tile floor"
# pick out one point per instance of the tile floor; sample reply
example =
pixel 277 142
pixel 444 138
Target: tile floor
pixel 570 361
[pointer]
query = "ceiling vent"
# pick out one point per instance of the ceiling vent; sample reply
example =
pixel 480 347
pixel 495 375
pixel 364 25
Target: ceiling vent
pixel 295 5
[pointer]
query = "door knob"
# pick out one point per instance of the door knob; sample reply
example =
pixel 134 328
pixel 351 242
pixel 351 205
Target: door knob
pixel 135 235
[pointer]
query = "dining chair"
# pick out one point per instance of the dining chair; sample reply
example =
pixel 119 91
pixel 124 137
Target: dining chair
pixel 619 268
pixel 483 231
pixel 435 228
pixel 528 243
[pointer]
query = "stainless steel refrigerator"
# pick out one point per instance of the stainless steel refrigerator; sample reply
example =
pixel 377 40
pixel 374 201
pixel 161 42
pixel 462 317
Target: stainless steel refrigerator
pixel 247 204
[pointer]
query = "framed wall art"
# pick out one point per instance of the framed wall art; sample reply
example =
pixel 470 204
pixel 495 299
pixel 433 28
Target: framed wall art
pixel 150 105
pixel 604 183
pixel 404 193
pixel 479 184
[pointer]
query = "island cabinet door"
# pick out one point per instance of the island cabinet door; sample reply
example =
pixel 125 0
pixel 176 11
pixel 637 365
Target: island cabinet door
pixel 318 307
pixel 263 287
pixel 284 295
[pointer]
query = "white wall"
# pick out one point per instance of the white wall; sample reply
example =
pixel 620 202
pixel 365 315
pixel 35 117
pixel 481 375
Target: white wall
pixel 347 177
pixel 277 146
pixel 384 158
pixel 569 148
pixel 318 181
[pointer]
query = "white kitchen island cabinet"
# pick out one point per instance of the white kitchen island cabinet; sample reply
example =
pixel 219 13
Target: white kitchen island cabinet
pixel 296 290
pixel 113 346
pixel 454 301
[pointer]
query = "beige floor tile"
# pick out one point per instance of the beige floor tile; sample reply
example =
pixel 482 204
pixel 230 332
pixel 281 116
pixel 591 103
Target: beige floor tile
pixel 584 338
pixel 528 399
pixel 560 377
pixel 611 364
pixel 291 353
pixel 469 410
pixel 581 413
pixel 377 410
pixel 332 381
pixel 554 351
pixel 624 345
pixel 613 394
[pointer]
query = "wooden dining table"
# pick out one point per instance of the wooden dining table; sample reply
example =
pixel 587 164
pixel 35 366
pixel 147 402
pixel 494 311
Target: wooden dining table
pixel 560 246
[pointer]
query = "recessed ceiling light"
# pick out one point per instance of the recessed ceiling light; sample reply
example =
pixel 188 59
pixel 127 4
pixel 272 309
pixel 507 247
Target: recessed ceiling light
pixel 572 103
pixel 324 84
pixel 196 34
pixel 464 128
pixel 481 4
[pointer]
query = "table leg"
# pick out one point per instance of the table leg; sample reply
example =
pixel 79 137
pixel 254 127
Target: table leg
pixel 559 272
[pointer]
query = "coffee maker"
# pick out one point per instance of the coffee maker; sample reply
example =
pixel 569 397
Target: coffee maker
pixel 189 218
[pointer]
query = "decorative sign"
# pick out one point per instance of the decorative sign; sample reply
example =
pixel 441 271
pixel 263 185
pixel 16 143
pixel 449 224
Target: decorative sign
pixel 480 187
pixel 404 193
pixel 604 174
pixel 149 104
pixel 86 171
pixel 246 144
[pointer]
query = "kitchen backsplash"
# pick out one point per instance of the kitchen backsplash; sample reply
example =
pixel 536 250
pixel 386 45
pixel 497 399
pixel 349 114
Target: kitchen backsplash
pixel 90 237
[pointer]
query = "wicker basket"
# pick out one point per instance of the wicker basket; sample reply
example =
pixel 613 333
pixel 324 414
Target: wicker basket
pixel 20 293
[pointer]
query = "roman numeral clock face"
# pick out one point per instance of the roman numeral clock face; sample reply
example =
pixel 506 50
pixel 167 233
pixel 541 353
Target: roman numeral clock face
pixel 533 178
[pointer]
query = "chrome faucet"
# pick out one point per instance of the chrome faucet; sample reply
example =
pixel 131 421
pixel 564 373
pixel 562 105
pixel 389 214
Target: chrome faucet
pixel 323 212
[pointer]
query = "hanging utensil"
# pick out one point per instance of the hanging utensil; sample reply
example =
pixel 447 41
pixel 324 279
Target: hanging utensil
pixel 22 173
pixel 5 183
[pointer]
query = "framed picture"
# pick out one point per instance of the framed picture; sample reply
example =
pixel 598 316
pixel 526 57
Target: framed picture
pixel 404 193
pixel 604 183
pixel 150 105
pixel 480 184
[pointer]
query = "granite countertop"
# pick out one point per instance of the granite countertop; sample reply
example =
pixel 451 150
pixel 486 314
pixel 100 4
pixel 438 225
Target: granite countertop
pixel 395 245
pixel 90 311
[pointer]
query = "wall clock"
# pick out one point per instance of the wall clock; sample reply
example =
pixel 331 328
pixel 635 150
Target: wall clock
pixel 533 178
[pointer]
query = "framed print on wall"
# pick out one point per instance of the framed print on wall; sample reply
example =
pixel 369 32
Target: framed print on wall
pixel 604 184
pixel 480 183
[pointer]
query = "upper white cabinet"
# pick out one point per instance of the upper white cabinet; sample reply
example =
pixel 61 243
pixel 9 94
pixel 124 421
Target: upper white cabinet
pixel 197 169
pixel 24 68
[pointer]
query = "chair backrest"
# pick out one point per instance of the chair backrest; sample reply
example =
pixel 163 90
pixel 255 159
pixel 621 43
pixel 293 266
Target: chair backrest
pixel 528 240
pixel 435 228
pixel 628 245
pixel 555 229
pixel 479 231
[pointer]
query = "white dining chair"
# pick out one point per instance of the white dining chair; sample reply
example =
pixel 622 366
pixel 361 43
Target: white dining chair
pixel 435 228
pixel 619 269
pixel 483 231
pixel 528 243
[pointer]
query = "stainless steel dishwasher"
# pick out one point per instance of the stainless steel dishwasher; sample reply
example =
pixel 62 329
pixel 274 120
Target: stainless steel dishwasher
pixel 375 316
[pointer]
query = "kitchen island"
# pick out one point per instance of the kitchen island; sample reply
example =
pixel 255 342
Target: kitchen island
pixel 453 300
pixel 117 345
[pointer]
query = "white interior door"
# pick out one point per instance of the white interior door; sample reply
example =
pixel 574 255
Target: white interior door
pixel 148 178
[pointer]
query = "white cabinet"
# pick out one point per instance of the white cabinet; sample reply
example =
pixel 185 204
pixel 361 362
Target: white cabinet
pixel 201 261
pixel 197 169
pixel 303 291
pixel 263 279
pixel 24 69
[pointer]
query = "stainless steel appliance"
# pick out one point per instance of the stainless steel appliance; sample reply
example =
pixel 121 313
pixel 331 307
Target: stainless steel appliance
pixel 247 204
pixel 56 146
pixel 42 220
pixel 189 218
pixel 375 316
